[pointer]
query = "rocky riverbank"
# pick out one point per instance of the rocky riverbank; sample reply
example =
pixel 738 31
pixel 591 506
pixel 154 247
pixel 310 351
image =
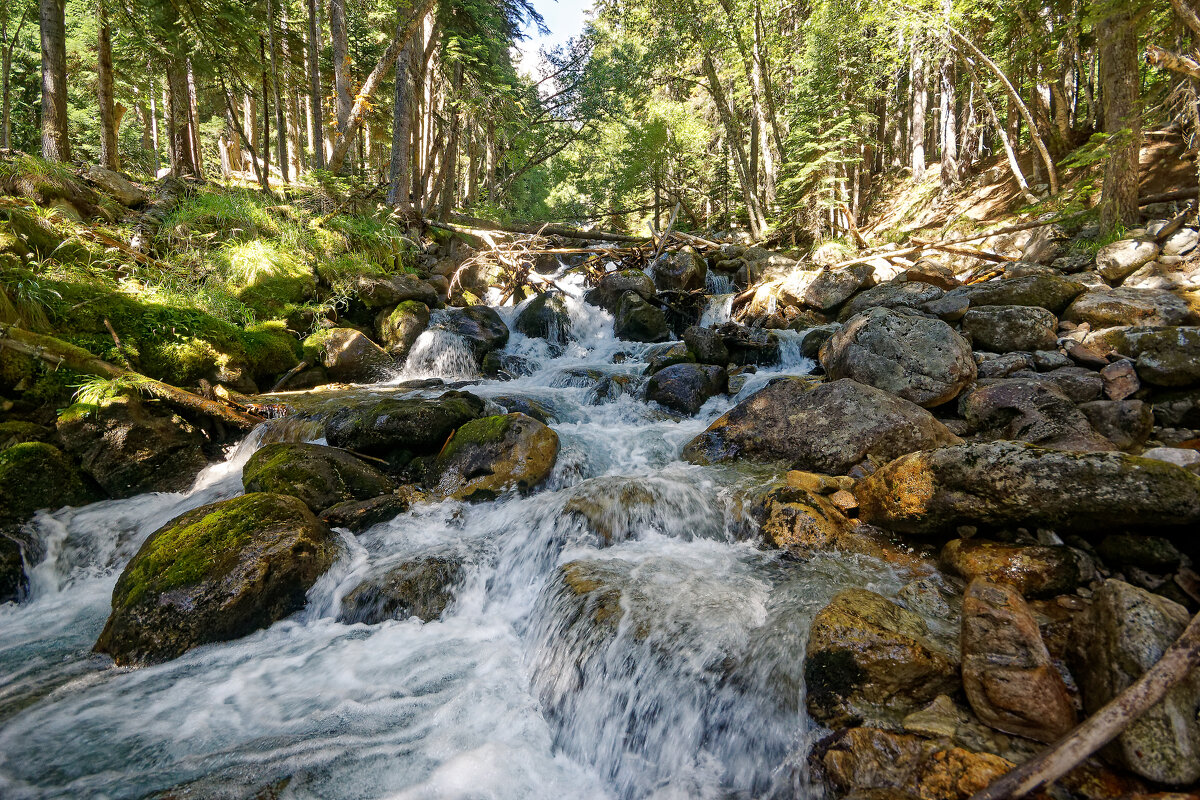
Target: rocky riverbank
pixel 1019 456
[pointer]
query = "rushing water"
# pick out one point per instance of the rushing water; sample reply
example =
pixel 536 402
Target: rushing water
pixel 521 690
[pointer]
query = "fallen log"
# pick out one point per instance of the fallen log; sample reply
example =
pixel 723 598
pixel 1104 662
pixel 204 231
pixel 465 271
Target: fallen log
pixel 1166 197
pixel 543 229
pixel 1106 724
pixel 966 251
pixel 60 353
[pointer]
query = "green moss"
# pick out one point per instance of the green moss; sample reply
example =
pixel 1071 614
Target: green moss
pixel 184 553
pixel 313 348
pixel 485 430
pixel 36 475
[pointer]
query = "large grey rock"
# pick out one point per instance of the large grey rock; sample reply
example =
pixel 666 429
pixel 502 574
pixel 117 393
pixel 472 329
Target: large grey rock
pixel 613 285
pixel 1119 260
pixel 391 425
pixel 318 475
pixel 826 428
pixel 911 356
pixel 635 320
pixel 1107 308
pixel 130 447
pixel 1125 423
pixel 1002 484
pixel 1181 241
pixel 1003 329
pixel 1162 356
pixel 1034 411
pixel 707 345
pixel 36 475
pixel 376 292
pixel 216 573
pixel 831 288
pixel 480 326
pixel 1050 292
pixel 421 588
pixel 546 317
pixel 1127 631
pixel 894 294
pixel 123 191
pixel 1045 245
pixel 684 269
pixel 493 455
pixel 350 357
pixel 686 387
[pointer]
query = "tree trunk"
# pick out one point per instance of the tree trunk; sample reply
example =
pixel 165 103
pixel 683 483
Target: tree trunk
pixel 7 43
pixel 276 95
pixel 919 104
pixel 734 137
pixel 266 115
pixel 367 93
pixel 179 138
pixel 1011 154
pixel 55 144
pixel 316 113
pixel 291 105
pixel 342 98
pixel 949 125
pixel 104 92
pixel 449 187
pixel 400 168
pixel 154 126
pixel 193 108
pixel 1117 43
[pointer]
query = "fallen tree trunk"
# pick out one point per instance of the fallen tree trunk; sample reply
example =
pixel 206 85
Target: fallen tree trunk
pixel 1106 724
pixel 544 230
pixel 1166 197
pixel 60 353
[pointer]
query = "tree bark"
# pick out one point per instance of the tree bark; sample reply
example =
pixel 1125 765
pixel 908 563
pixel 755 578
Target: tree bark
pixel 104 92
pixel 400 168
pixel 734 137
pixel 920 97
pixel 276 96
pixel 365 94
pixel 56 146
pixel 316 113
pixel 341 66
pixel 7 43
pixel 1117 43
pixel 179 138
pixel 1184 65
pixel 291 105
pixel 193 108
pixel 266 115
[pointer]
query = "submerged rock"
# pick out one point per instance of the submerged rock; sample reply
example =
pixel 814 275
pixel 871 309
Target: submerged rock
pixel 421 588
pixel 826 427
pixel 911 356
pixel 358 515
pixel 1007 673
pixel 546 317
pixel 416 426
pixel 1008 484
pixel 319 476
pixel 686 387
pixel 870 659
pixel 35 475
pixel 129 449
pixel 216 573
pixel 1127 630
pixel 489 456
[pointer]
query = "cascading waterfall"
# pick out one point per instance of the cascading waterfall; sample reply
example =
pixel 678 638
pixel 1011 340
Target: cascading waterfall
pixel 615 635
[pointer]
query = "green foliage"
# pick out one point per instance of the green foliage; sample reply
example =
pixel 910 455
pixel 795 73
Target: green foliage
pixel 95 392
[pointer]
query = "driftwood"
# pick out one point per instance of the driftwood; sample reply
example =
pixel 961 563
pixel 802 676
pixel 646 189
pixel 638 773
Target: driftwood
pixel 60 353
pixel 1106 724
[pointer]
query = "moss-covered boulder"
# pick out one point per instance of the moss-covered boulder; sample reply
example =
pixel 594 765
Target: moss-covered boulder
pixel 15 431
pixel 635 320
pixel 318 475
pixel 489 456
pixel 1164 356
pixel 546 317
pixel 129 446
pixel 615 284
pixel 393 426
pixel 826 427
pixel 383 292
pixel 35 475
pixel 421 588
pixel 399 327
pixel 684 269
pixel 870 659
pixel 216 573
pixel 1003 484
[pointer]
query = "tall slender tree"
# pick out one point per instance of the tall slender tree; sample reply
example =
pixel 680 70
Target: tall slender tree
pixel 56 145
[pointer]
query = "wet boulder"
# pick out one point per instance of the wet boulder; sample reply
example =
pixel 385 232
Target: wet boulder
pixel 1030 410
pixel 417 426
pixel 1003 329
pixel 870 659
pixel 614 285
pixel 216 573
pixel 480 326
pixel 831 288
pixel 894 294
pixel 1108 308
pixel 749 346
pixel 1050 292
pixel 1126 631
pixel 399 327
pixel 129 446
pixel 492 455
pixel 350 357
pixel 13 580
pixel 919 359
pixel 1033 570
pixel 684 269
pixel 686 387
pixel 376 292
pixel 707 344
pixel 319 476
pixel 546 317
pixel 358 515
pixel 636 320
pixel 35 475
pixel 668 355
pixel 827 427
pixel 421 588
pixel 1003 484
pixel 1007 673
